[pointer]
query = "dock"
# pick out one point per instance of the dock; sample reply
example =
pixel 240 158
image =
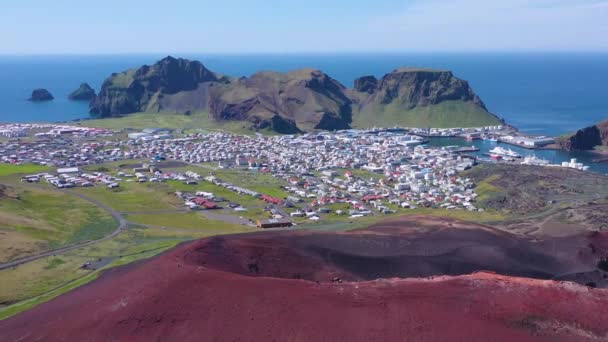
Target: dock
pixel 466 149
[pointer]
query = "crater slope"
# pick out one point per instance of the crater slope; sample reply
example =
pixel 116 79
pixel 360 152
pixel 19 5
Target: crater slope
pixel 320 286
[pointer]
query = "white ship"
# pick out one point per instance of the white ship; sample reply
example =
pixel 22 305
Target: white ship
pixel 533 160
pixel 504 152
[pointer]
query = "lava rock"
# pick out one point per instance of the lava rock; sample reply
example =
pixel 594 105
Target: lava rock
pixel 83 93
pixel 586 138
pixel 366 84
pixel 41 95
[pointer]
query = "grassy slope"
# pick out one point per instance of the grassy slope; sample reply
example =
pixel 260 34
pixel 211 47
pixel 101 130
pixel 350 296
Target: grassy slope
pixel 133 197
pixel 531 190
pixel 443 115
pixel 192 220
pixel 187 123
pixel 37 282
pixel 447 114
pixel 43 219
pixel 10 169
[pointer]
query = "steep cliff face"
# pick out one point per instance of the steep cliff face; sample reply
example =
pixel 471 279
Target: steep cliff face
pixel 309 98
pixel 300 100
pixel 587 138
pixel 140 89
pixel 411 88
pixel 366 84
pixel 415 97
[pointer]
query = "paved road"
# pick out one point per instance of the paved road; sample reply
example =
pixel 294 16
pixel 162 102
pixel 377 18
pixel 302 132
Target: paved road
pixel 122 224
pixel 168 211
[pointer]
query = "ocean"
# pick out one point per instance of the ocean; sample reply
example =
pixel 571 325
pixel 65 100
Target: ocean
pixel 542 94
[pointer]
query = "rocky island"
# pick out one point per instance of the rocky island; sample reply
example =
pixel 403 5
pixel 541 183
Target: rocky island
pixel 41 95
pixel 587 138
pixel 295 101
pixel 83 93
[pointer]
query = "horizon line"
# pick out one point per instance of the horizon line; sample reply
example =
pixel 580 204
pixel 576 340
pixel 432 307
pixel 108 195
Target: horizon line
pixel 313 53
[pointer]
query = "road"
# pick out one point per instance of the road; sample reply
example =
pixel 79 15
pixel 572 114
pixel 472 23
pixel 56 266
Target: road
pixel 122 224
pixel 118 216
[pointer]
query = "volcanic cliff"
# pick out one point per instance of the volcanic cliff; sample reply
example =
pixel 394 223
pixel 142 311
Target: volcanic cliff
pixel 300 100
pixel 587 138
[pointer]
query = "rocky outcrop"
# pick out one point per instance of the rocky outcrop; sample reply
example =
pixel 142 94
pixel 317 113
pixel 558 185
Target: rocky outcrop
pixel 140 90
pixel 83 93
pixel 277 124
pixel 41 95
pixel 587 138
pixel 300 100
pixel 412 88
pixel 309 98
pixel 366 84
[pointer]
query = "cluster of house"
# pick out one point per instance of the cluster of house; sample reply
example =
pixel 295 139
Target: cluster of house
pixel 426 182
pixel 148 134
pixel 72 177
pixel 199 200
pixel 56 147
pixel 369 171
pixel 17 130
pixel 399 168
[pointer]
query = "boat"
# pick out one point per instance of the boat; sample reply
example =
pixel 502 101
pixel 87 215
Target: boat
pixel 533 160
pixel 504 152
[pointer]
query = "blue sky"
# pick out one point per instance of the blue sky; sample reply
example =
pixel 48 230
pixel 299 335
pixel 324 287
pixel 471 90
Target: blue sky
pixel 327 26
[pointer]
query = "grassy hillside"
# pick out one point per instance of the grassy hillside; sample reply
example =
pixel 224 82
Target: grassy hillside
pixel 13 169
pixel 444 115
pixel 448 114
pixel 34 220
pixel 189 123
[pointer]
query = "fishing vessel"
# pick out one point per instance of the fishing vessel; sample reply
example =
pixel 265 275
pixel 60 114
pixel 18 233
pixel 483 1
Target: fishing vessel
pixel 504 152
pixel 533 160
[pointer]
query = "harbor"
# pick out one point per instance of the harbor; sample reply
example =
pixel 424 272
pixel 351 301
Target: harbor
pixel 537 156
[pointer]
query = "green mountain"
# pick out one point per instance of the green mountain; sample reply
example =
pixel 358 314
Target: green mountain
pixel 300 100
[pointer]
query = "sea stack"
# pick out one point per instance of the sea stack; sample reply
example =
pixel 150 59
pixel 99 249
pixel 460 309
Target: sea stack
pixel 40 95
pixel 83 93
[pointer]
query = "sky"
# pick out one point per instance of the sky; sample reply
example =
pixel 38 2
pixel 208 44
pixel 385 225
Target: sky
pixel 303 26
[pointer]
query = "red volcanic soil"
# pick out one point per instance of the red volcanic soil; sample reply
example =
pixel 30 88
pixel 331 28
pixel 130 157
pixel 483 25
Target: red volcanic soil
pixel 282 286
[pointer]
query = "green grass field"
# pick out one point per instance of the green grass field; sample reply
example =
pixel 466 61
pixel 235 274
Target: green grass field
pixel 188 220
pixel 34 220
pixel 261 182
pixel 188 123
pixel 37 282
pixel 485 189
pixel 134 196
pixel 11 169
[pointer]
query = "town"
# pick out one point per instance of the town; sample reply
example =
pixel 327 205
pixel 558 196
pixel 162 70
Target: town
pixel 349 173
